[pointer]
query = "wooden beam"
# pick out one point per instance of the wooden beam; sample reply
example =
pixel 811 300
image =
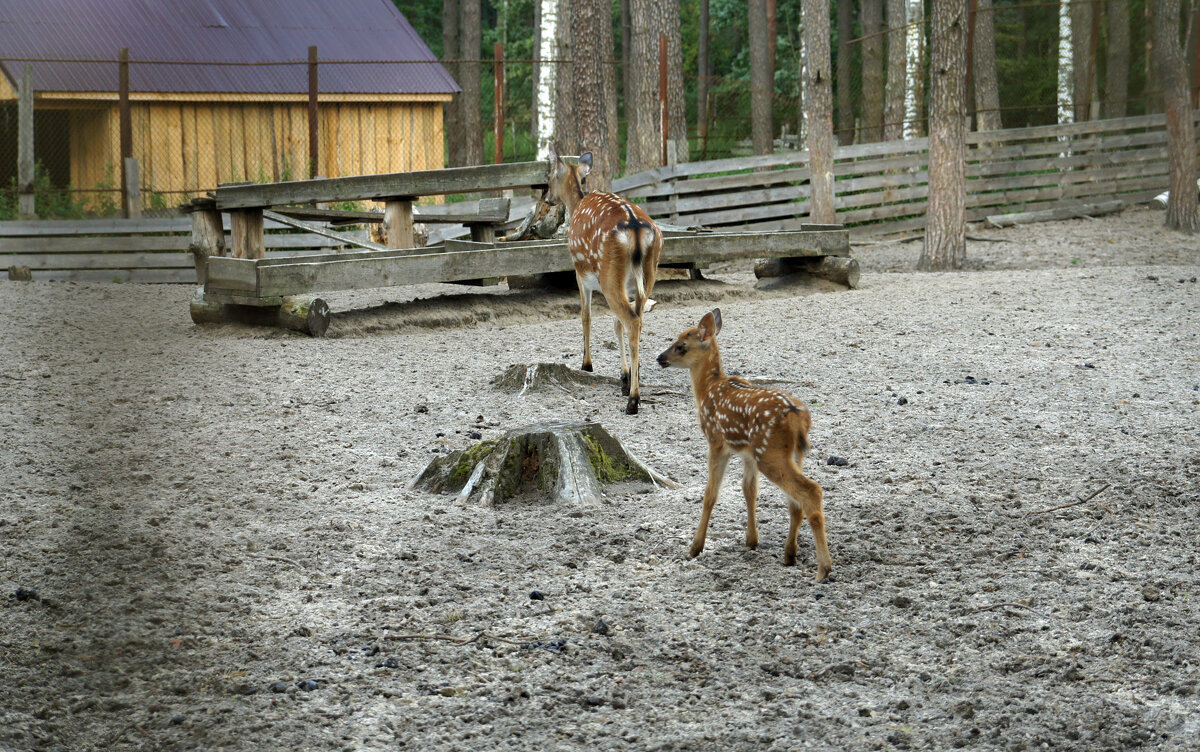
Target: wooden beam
pixel 208 237
pixel 125 124
pixel 133 189
pixel 247 226
pixel 318 230
pixel 381 187
pixel 398 222
pixel 27 199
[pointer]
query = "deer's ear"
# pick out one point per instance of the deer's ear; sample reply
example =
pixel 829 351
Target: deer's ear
pixel 707 327
pixel 585 164
pixel 716 314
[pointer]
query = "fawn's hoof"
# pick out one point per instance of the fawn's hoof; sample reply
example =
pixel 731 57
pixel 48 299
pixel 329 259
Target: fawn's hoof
pixel 823 572
pixel 625 383
pixel 752 545
pixel 631 407
pixel 586 367
pixel 694 551
pixel 789 560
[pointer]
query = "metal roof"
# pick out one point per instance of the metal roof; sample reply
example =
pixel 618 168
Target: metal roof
pixel 241 31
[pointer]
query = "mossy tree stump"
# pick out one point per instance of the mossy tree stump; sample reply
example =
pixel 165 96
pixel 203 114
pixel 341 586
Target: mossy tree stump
pixel 564 462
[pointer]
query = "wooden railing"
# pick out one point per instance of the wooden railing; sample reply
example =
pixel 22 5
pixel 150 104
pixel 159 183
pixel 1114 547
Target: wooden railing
pixel 882 188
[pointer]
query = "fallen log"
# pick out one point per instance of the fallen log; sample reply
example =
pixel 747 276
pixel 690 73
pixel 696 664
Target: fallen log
pixel 1050 215
pixel 302 313
pixel 840 269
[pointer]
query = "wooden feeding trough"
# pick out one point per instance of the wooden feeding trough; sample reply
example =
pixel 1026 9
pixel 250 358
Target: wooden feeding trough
pixel 285 291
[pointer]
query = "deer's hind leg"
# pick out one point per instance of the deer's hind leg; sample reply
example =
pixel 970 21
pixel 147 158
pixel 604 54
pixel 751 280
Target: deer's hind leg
pixel 585 313
pixel 624 360
pixel 750 491
pixel 805 501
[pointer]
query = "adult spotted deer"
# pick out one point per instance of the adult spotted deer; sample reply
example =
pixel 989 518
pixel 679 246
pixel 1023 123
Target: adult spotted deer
pixel 767 428
pixel 615 247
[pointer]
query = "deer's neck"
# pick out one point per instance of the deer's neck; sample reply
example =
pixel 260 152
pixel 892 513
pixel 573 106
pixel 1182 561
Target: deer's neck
pixel 706 373
pixel 572 195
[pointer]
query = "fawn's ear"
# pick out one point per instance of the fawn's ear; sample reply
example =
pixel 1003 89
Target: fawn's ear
pixel 710 324
pixel 585 164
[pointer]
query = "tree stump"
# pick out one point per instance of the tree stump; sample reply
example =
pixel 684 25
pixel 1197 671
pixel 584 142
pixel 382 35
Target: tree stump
pixel 539 377
pixel 20 274
pixel 302 313
pixel 564 462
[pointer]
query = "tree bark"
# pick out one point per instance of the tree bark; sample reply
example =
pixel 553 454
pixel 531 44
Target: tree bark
pixel 677 130
pixel 545 101
pixel 871 20
pixel 1066 64
pixel 643 147
pixel 702 79
pixel 762 79
pixel 945 220
pixel 452 110
pixel 818 99
pixel 566 126
pixel 470 48
pixel 1081 33
pixel 897 73
pixel 1183 210
pixel 987 87
pixel 914 94
pixel 1116 84
pixel 845 73
pixel 595 88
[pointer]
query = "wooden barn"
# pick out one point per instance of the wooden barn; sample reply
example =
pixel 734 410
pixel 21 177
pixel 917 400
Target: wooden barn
pixel 219 91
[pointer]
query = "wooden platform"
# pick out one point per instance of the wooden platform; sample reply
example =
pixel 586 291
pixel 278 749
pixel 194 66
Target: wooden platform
pixel 265 282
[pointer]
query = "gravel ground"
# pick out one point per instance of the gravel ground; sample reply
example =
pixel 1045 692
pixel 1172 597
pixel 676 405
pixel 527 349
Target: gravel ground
pixel 209 541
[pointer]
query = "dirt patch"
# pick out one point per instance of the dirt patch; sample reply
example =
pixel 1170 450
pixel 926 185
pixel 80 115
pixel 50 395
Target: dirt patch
pixel 209 539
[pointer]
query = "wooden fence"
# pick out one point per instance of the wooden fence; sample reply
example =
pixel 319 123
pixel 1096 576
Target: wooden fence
pixel 882 188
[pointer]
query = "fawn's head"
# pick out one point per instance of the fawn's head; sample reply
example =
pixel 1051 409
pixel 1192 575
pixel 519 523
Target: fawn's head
pixel 695 344
pixel 566 179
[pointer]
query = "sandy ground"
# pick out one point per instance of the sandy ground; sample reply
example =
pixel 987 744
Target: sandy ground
pixel 208 541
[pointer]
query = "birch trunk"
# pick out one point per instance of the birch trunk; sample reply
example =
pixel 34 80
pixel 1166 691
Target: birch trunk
pixel 897 72
pixel 914 91
pixel 1066 66
pixel 818 97
pixel 545 102
pixel 945 220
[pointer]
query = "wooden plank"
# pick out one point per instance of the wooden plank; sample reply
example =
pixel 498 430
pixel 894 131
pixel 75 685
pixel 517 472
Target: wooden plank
pixel 375 187
pixel 334 272
pixel 45 227
pixel 174 260
pixel 230 273
pixel 317 230
pixel 247 232
pixel 307 213
pixel 1048 215
pixel 133 276
pixel 70 244
pixel 26 199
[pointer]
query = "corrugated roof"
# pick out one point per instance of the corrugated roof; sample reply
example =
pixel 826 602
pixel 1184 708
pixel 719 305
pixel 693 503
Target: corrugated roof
pixel 244 31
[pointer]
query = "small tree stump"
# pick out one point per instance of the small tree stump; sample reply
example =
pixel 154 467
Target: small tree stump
pixel 519 379
pixel 840 269
pixel 565 462
pixel 20 274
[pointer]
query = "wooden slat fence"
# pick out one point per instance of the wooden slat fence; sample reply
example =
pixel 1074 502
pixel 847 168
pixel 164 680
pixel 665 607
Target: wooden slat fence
pixel 882 188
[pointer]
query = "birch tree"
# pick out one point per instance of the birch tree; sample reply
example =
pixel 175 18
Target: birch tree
pixel 914 91
pixel 897 79
pixel 1066 64
pixel 545 102
pixel 818 97
pixel 945 243
pixel 1183 210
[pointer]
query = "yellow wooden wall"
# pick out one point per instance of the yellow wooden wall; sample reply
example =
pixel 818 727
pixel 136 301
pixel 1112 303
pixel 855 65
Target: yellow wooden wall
pixel 188 148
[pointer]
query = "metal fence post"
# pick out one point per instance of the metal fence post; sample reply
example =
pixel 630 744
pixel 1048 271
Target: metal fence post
pixel 126 125
pixel 312 111
pixel 498 103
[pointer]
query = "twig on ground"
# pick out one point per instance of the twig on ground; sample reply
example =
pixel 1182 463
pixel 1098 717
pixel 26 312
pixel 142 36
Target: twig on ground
pixel 1102 489
pixel 982 239
pixel 1007 604
pixel 283 559
pixel 1126 679
pixel 458 640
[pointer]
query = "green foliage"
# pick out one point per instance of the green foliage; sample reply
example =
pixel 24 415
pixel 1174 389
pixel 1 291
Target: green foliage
pixel 51 202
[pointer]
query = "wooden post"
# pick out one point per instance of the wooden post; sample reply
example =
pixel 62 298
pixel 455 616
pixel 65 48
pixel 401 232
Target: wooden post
pixel 1196 59
pixel 498 103
pixel 133 189
pixel 247 230
pixel 27 201
pixel 208 236
pixel 662 93
pixel 972 5
pixel 1091 102
pixel 312 112
pixel 126 125
pixel 398 222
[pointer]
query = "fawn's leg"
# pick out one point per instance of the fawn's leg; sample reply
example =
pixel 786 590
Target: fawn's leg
pixel 750 490
pixel 635 394
pixel 624 360
pixel 718 460
pixel 585 313
pixel 806 499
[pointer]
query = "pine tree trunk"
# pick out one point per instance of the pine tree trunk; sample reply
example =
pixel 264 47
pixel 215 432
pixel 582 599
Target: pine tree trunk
pixel 818 98
pixel 987 88
pixel 648 20
pixel 1066 64
pixel 1116 85
pixel 914 94
pixel 1183 211
pixel 845 73
pixel 1081 32
pixel 702 79
pixel 595 88
pixel 545 98
pixel 762 79
pixel 871 19
pixel 470 48
pixel 945 220
pixel 897 74
pixel 451 111
pixel 677 130
pixel 566 128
